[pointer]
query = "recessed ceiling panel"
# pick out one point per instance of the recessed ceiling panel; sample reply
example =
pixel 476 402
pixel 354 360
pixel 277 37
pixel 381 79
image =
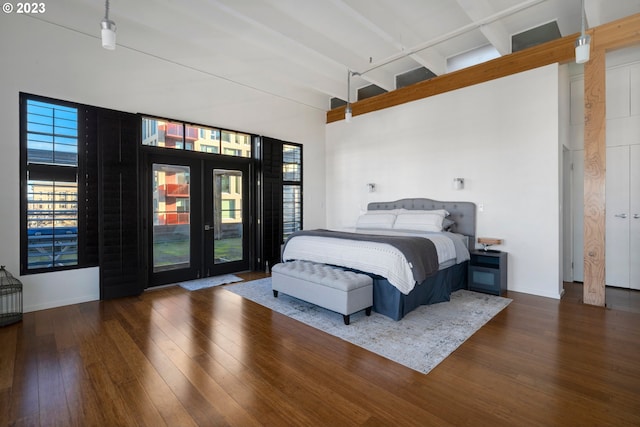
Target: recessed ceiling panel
pixel 535 36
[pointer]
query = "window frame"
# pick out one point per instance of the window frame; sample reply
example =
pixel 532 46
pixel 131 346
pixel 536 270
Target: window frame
pixel 292 183
pixel 53 173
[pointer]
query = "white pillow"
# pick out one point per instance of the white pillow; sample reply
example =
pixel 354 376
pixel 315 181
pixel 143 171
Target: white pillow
pixel 385 211
pixel 442 212
pixel 384 221
pixel 426 221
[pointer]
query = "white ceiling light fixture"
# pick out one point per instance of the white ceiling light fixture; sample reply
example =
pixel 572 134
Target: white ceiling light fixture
pixel 347 110
pixel 108 29
pixel 583 43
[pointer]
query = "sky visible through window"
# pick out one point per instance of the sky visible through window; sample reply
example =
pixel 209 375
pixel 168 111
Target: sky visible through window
pixel 52 188
pixel 52 133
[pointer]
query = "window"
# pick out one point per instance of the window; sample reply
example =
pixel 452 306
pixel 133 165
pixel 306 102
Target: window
pixel 291 189
pixel 225 185
pixel 236 144
pixel 49 188
pixel 182 136
pixel 228 209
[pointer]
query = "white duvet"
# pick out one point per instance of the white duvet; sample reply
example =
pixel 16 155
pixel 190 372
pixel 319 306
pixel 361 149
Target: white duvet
pixel 373 257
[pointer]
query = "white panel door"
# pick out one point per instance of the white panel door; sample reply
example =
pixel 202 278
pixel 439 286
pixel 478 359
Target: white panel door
pixel 617 92
pixel 617 213
pixel 634 204
pixel 634 91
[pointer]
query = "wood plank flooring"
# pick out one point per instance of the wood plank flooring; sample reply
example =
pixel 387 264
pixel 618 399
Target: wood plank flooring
pixel 209 358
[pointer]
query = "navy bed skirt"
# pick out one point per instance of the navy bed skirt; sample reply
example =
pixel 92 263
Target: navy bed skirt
pixel 388 300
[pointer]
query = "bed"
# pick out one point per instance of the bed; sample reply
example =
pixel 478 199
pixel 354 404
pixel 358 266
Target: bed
pixel 388 244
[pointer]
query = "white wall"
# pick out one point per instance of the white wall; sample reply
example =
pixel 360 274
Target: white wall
pixel 502 137
pixel 47 60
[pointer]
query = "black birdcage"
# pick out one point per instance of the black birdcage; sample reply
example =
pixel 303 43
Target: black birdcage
pixel 10 298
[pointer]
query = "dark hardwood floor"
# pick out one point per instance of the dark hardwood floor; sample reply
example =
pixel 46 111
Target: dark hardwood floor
pixel 208 358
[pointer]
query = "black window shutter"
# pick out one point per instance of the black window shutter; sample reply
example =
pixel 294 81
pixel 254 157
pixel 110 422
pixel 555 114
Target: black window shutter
pixel 88 190
pixel 118 204
pixel 271 199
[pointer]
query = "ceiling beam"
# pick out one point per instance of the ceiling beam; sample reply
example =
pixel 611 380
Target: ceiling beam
pixel 495 32
pixel 431 60
pixel 455 33
pixel 617 34
pixel 613 35
pixel 561 50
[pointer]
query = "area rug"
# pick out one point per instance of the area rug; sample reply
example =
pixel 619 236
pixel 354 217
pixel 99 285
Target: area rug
pixel 421 340
pixel 208 282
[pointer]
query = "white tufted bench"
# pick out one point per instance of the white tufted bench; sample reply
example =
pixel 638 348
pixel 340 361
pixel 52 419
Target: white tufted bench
pixel 329 287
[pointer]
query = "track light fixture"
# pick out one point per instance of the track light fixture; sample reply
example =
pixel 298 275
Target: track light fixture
pixel 583 43
pixel 108 29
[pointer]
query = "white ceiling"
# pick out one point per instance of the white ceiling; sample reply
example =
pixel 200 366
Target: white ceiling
pixel 302 49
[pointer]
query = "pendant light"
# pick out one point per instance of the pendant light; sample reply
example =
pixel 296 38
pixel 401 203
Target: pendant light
pixel 347 111
pixel 583 43
pixel 108 29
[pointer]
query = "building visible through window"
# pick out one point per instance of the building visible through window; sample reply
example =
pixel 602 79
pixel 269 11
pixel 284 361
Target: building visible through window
pixel 51 138
pixel 182 136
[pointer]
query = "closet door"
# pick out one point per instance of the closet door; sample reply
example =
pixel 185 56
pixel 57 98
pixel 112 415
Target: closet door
pixel 618 218
pixel 634 225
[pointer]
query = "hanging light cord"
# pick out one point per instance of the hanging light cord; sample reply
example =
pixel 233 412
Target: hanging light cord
pixel 583 17
pixel 106 10
pixel 349 87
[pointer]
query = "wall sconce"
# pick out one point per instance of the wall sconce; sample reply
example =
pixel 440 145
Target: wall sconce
pixel 458 183
pixel 371 187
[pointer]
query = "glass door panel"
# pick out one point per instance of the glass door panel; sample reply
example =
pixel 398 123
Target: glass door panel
pixel 228 216
pixel 171 213
pixel 197 217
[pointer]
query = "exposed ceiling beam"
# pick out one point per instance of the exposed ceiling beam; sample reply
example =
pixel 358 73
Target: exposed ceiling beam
pixel 559 50
pixel 428 59
pixel 613 35
pixel 300 50
pixel 495 32
pixel 432 60
pixel 459 31
pixel 320 57
pixel 380 78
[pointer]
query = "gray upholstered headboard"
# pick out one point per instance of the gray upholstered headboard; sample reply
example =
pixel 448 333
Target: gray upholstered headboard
pixel 463 213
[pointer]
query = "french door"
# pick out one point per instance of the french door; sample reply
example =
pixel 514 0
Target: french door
pixel 226 217
pixel 198 222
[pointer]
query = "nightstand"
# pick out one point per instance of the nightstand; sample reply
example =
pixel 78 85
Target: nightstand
pixel 488 271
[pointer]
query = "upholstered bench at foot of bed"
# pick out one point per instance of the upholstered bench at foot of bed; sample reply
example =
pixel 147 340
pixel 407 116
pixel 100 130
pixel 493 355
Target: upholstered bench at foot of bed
pixel 329 287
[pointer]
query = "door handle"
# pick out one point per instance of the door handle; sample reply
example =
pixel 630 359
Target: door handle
pixel 636 216
pixel 622 215
pixel 207 227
